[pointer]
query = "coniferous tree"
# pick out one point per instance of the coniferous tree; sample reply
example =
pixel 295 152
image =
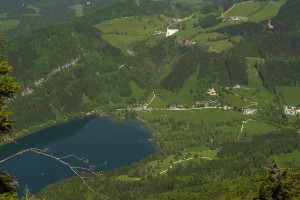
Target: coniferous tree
pixel 8 87
pixel 279 183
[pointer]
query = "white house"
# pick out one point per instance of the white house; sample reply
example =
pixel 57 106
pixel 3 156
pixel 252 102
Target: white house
pixel 171 32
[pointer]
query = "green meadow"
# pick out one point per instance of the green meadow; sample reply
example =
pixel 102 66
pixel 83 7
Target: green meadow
pixel 3 15
pixel 294 156
pixel 235 101
pixel 134 25
pixel 208 37
pixel 8 24
pixel 77 9
pixel 193 116
pixel 137 91
pixel 185 96
pixel 255 91
pixel 36 9
pixel 267 11
pixel 220 45
pixel 122 41
pixel 290 95
pixel 252 128
pixel 256 11
pixel 192 2
pixel 244 9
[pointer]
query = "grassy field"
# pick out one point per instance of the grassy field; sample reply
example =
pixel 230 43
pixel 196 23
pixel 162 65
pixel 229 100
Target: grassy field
pixel 291 95
pixel 267 12
pixel 187 155
pixel 8 24
pixel 257 127
pixel 134 25
pixel 189 33
pixel 244 9
pixel 294 156
pixel 121 32
pixel 137 91
pixel 122 41
pixel 235 101
pixel 202 151
pixel 255 91
pixel 208 36
pixel 127 178
pixel 36 9
pixel 184 96
pixel 236 39
pixel 3 15
pixel 229 129
pixel 220 45
pixel 193 116
pixel 192 2
pixel 189 23
pixel 77 9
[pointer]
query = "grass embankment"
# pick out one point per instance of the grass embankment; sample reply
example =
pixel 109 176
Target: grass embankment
pixel 256 11
pixel 34 8
pixel 288 157
pixel 3 15
pixel 267 11
pixel 252 128
pixel 8 24
pixel 244 9
pixel 290 95
pixel 193 116
pixel 185 96
pixel 77 9
pixel 254 95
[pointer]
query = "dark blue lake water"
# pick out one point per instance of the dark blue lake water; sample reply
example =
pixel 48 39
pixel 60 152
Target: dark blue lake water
pixel 116 142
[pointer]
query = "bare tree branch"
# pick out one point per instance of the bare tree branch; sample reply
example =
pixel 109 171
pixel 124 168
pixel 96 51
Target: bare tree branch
pixel 81 172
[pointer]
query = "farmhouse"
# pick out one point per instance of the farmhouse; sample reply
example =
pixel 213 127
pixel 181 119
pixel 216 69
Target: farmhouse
pixel 171 32
pixel 212 92
pixel 237 86
pixel 249 111
pixel 290 110
pixel 238 18
pixel 189 42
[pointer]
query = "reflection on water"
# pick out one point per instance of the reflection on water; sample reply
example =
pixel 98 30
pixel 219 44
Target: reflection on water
pixel 114 142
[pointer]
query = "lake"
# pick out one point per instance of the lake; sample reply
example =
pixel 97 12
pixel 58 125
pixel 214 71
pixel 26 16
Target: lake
pixel 101 140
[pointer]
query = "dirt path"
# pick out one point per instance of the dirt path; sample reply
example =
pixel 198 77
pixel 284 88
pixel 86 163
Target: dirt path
pixel 242 127
pixel 180 21
pixel 228 10
pixel 210 48
pixel 179 161
pixel 146 106
pixel 252 103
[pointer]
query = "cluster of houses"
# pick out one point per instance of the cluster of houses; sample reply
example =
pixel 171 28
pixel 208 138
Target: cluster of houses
pixel 159 32
pixel 168 33
pixel 171 32
pixel 249 111
pixel 212 92
pixel 189 42
pixel 291 110
pixel 177 107
pixel 139 107
pixel 235 18
pixel 209 103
